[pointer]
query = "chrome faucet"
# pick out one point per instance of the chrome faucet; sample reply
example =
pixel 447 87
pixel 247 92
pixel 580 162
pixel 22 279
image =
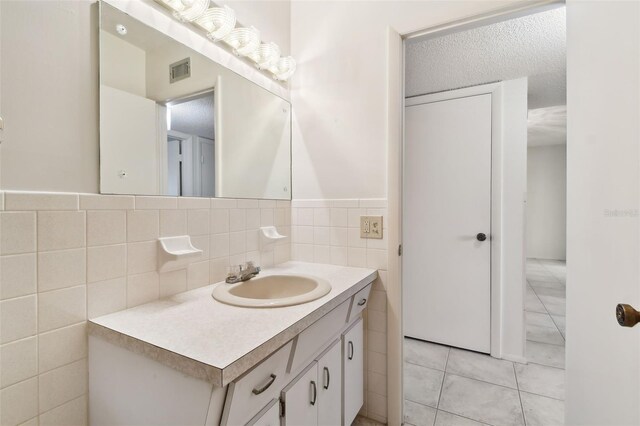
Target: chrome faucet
pixel 243 273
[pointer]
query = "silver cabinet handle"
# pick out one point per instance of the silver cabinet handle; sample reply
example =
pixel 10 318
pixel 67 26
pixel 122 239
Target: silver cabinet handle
pixel 314 391
pixel 259 390
pixel 327 377
pixel 350 350
pixel 362 302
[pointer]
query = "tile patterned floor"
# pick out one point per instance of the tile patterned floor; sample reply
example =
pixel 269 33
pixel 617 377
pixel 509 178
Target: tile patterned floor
pixel 452 387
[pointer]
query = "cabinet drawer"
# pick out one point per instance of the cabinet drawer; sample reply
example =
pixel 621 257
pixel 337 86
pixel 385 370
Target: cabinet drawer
pixel 318 335
pixel 360 300
pixel 250 393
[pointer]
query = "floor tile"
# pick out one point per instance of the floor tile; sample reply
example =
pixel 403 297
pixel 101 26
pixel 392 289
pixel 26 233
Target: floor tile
pixel 481 367
pixel 540 334
pixel 541 380
pixel 422 385
pixel 546 284
pixel 447 419
pixel 545 354
pixel 542 411
pixel 551 291
pixel 560 323
pixel 554 305
pixel 533 304
pixel 539 319
pixel 425 354
pixel 547 277
pixel 418 414
pixel 484 402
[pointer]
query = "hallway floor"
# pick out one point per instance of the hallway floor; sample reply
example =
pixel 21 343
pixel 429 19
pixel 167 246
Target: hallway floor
pixel 449 386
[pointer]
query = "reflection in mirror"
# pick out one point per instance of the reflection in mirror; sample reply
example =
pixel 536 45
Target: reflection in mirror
pixel 174 122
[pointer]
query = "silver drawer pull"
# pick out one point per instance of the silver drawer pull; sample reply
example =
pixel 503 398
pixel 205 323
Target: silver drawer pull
pixel 362 302
pixel 314 391
pixel 327 377
pixel 258 391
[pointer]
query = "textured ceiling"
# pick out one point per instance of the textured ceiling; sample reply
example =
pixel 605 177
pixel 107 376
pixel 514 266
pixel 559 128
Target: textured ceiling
pixel 194 117
pixel 533 46
pixel 547 126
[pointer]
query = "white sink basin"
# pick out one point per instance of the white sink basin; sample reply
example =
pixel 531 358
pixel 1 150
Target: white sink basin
pixel 271 291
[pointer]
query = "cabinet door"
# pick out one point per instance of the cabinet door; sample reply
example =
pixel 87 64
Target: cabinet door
pixel 353 372
pixel 330 386
pixel 301 399
pixel 269 416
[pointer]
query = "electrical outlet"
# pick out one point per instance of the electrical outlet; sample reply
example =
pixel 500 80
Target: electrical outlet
pixel 371 227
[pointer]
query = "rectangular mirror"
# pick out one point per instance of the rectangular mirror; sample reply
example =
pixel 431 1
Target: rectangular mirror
pixel 174 122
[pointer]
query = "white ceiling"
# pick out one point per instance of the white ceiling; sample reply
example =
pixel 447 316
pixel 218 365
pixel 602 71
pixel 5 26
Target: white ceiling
pixel 194 117
pixel 547 126
pixel 533 46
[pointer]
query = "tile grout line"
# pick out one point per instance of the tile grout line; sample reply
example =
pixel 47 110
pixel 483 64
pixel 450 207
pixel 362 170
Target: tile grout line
pixel 524 419
pixel 444 375
pixel 465 417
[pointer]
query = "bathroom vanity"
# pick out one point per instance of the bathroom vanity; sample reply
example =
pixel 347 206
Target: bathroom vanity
pixel 192 360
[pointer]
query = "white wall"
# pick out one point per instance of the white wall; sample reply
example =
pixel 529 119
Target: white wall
pixel 253 134
pixel 124 65
pixel 547 202
pixel 339 90
pixel 51 130
pixel 271 17
pixel 603 173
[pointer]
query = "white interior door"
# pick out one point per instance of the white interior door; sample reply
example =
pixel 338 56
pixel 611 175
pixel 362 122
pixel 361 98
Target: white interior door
pixel 174 160
pixel 447 203
pixel 603 225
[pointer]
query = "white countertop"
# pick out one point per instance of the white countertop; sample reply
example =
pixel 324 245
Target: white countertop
pixel 200 336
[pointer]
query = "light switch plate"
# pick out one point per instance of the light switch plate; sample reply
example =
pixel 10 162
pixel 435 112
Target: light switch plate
pixel 371 227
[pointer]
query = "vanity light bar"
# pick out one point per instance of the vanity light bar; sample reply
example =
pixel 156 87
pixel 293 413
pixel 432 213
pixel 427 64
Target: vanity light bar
pixel 220 25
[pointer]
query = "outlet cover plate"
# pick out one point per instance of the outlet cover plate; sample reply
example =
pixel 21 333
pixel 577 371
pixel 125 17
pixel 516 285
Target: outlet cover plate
pixel 371 227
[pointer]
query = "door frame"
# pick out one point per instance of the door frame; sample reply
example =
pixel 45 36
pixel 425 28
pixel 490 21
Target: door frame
pixel 495 237
pixel 395 98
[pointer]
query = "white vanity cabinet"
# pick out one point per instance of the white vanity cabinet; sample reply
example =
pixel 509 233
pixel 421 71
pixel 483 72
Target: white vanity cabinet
pixel 311 376
pixel 353 371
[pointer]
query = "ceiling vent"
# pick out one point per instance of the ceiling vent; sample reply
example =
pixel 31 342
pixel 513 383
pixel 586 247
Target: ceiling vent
pixel 180 70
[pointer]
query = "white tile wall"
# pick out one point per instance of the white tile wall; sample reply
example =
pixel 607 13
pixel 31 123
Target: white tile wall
pixel 327 231
pixel 68 257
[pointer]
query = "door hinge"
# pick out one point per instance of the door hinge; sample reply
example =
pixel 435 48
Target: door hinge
pixel 282 408
pixel 400 250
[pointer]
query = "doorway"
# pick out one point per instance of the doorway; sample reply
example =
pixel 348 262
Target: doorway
pixel 447 217
pixel 449 377
pixel 191 130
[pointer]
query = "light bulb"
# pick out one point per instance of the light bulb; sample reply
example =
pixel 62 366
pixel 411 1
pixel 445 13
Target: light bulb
pixel 244 41
pixel 284 68
pixel 190 10
pixel 217 22
pixel 266 56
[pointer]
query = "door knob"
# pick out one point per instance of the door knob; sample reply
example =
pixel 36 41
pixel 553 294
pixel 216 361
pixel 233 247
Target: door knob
pixel 481 237
pixel 626 315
